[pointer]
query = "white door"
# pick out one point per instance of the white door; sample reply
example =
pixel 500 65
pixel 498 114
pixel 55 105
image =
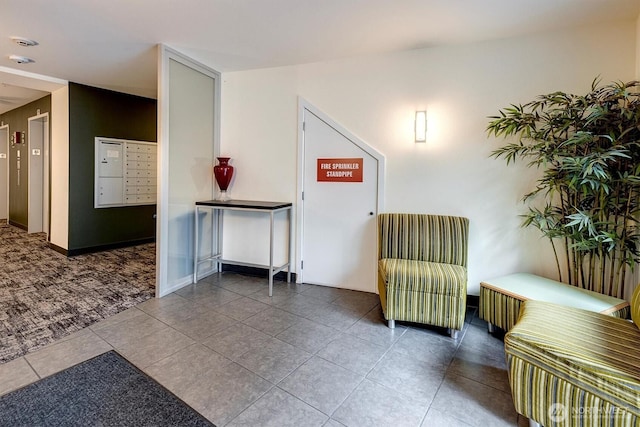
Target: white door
pixel 38 174
pixel 339 210
pixel 4 172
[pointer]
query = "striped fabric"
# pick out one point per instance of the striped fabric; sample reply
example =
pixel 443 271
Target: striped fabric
pixel 583 363
pixel 499 309
pixel 635 306
pixel 552 401
pixel 422 274
pixel 502 310
pixel 432 238
pixel 419 276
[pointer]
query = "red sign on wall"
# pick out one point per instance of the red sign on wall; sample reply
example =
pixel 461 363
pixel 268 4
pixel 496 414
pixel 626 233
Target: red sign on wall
pixel 340 170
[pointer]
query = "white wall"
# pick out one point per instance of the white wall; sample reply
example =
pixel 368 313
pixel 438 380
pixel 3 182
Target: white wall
pixel 59 149
pixel 375 98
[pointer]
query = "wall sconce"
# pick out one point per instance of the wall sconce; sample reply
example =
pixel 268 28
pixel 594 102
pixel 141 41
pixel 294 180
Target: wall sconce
pixel 421 126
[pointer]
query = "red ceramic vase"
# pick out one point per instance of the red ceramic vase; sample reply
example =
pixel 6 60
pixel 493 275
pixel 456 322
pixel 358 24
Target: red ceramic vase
pixel 223 173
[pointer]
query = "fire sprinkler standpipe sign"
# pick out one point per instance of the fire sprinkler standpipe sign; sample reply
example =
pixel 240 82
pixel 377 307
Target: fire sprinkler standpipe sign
pixel 340 170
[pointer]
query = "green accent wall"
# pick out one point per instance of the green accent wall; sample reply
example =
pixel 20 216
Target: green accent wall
pixel 99 112
pixel 17 119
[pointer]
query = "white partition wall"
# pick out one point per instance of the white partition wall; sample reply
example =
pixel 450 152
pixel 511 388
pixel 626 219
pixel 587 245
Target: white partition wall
pixel 59 233
pixel 188 111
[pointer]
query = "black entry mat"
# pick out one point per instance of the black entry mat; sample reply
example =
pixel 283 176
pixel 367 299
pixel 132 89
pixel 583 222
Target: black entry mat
pixel 104 391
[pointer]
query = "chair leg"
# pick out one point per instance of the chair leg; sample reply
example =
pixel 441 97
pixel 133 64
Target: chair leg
pixel 392 324
pixel 453 333
pixel 491 328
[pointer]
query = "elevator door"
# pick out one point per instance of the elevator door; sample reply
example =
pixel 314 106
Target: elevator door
pixel 4 173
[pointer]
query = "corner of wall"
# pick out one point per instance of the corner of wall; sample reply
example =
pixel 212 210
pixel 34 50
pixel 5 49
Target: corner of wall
pixel 638 48
pixel 59 234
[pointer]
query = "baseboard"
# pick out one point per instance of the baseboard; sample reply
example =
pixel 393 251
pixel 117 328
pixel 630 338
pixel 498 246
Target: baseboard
pixel 257 272
pixel 15 224
pixel 100 248
pixel 58 249
pixel 473 301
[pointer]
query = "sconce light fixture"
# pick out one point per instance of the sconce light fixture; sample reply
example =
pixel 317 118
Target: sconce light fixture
pixel 421 126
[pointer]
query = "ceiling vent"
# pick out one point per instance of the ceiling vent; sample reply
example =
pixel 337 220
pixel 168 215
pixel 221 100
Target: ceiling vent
pixel 21 59
pixel 21 41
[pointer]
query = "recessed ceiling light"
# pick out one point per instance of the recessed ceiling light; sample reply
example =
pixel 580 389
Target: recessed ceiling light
pixel 21 59
pixel 21 41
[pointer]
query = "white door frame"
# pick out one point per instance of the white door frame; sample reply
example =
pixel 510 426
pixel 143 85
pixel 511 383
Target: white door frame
pixel 303 105
pixel 44 118
pixel 5 128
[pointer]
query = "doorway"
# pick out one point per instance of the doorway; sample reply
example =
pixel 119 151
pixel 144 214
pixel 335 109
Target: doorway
pixel 38 182
pixel 4 173
pixel 341 181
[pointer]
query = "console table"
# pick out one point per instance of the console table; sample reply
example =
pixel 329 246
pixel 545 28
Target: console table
pixel 219 206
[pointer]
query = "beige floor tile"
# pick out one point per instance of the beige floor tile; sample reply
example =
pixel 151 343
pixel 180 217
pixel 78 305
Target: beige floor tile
pixel 437 418
pixel 16 374
pixel 155 305
pixel 242 308
pixel 474 403
pixel 374 405
pixel 279 409
pixel 130 331
pixel 179 311
pixel 202 325
pixel 245 287
pixel 182 370
pixel 223 395
pixel 236 340
pixel 62 355
pixel 117 318
pixel 274 360
pixel 152 348
pixel 206 293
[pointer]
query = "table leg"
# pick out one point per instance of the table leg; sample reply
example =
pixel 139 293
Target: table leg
pixel 289 248
pixel 195 247
pixel 218 222
pixel 271 254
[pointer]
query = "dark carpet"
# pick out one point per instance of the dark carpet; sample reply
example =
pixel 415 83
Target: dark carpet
pixel 103 391
pixel 45 296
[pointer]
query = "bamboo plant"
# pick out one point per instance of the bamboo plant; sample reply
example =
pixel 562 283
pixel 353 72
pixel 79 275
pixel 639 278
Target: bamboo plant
pixel 587 200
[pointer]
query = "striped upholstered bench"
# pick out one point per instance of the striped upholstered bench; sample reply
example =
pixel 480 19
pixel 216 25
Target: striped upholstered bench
pixel 573 367
pixel 422 269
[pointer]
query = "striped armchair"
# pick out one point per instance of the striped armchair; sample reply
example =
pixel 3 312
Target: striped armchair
pixel 572 367
pixel 422 269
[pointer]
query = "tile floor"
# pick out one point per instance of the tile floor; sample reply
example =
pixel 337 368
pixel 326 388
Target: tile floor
pixel 308 356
